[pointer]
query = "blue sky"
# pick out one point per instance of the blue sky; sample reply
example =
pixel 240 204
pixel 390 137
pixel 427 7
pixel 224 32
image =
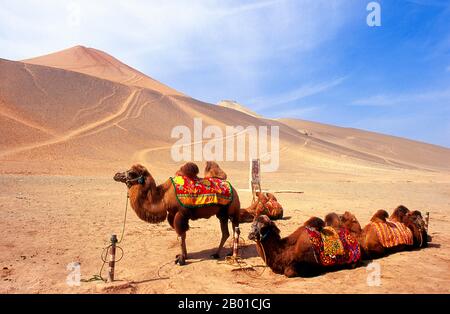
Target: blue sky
pixel 313 59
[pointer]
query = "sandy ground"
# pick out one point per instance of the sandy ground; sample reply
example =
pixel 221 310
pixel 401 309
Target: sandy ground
pixel 48 222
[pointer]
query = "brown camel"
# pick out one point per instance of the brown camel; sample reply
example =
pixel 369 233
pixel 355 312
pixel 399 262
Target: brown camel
pixel 265 204
pixel 297 254
pixel 153 203
pixel 414 221
pixel 373 240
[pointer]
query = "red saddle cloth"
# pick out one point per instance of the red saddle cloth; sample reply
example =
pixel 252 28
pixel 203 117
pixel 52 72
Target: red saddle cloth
pixel 202 191
pixel 334 248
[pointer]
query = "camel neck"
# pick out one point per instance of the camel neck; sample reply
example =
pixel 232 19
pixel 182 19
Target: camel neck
pixel 147 200
pixel 272 245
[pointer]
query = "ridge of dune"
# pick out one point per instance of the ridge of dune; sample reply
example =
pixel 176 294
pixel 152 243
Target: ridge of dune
pixel 97 63
pixel 391 148
pixel 232 104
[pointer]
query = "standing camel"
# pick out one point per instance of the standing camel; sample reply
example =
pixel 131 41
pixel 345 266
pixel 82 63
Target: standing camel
pixel 153 203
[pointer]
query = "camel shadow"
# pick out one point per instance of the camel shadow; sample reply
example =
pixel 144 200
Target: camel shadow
pixel 149 280
pixel 251 221
pixel 245 251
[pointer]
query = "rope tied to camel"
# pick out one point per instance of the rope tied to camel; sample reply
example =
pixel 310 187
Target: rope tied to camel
pixel 240 263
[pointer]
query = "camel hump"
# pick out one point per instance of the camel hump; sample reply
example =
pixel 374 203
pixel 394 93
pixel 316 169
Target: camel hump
pixel 315 222
pixel 332 219
pixel 213 170
pixel 189 169
pixel 380 216
pixel 399 213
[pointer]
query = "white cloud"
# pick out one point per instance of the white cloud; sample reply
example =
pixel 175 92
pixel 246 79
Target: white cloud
pixel 296 94
pixel 228 40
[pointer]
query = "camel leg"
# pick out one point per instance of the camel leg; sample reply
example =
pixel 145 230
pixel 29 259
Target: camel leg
pixel 181 258
pixel 225 236
pixel 290 271
pixel 181 226
pixel 234 223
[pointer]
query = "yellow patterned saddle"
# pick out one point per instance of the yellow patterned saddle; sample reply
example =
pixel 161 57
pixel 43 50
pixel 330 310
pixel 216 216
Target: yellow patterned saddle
pixel 393 234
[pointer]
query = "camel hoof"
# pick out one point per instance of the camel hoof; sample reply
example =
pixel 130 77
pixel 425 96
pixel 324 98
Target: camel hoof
pixel 180 260
pixel 215 256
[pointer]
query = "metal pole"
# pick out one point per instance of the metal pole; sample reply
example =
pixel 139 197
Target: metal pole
pixel 427 220
pixel 112 258
pixel 237 234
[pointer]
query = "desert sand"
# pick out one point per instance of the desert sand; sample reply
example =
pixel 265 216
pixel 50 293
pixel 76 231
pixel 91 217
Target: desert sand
pixel 70 120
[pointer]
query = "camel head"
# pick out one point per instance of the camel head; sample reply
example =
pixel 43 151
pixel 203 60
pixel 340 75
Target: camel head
pixel 137 174
pixel 415 222
pixel 212 170
pixel 262 226
pixel 349 221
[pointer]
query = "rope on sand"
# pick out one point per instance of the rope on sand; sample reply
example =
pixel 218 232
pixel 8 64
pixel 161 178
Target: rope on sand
pixel 235 261
pixel 240 263
pixel 104 254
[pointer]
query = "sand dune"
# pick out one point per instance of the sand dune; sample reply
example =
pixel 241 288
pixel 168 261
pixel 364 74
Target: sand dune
pixel 393 149
pixel 236 106
pixel 82 104
pixel 100 64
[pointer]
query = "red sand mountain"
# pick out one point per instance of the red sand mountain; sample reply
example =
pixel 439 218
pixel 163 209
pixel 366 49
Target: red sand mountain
pixel 82 111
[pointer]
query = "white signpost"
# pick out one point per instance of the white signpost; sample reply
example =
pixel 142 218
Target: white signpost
pixel 255 177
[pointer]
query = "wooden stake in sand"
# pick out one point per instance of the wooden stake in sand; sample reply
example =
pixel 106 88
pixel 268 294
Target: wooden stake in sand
pixel 237 234
pixel 112 258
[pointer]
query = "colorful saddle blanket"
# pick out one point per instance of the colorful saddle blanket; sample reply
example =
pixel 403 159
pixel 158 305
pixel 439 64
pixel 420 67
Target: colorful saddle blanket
pixel 334 248
pixel 392 234
pixel 266 205
pixel 202 192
